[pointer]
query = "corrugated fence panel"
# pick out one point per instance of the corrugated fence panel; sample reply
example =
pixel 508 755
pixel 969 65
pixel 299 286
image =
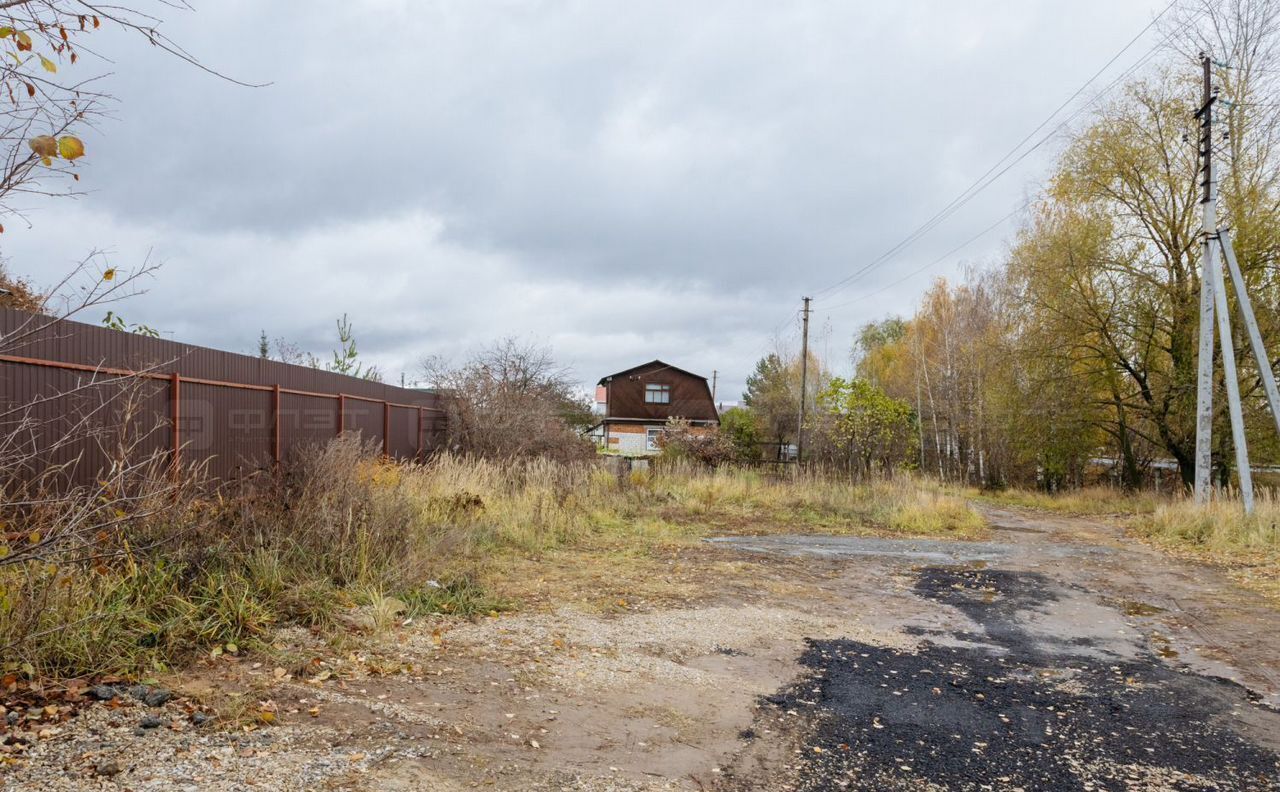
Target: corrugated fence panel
pixel 363 417
pixel 404 432
pixel 229 429
pixel 226 402
pixel 306 420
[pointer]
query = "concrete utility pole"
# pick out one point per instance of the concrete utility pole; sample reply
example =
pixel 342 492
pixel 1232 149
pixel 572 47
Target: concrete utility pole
pixel 1213 295
pixel 1208 227
pixel 715 376
pixel 804 380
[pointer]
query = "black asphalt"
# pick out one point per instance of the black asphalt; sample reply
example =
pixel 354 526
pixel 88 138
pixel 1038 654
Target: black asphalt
pixel 1010 710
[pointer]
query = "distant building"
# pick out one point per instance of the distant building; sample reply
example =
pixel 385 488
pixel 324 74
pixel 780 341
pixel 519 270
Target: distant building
pixel 634 405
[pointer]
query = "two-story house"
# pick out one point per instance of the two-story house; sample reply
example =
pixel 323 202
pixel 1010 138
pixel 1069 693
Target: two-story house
pixel 634 405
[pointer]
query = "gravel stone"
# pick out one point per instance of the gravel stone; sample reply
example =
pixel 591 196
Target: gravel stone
pixel 107 768
pixel 157 697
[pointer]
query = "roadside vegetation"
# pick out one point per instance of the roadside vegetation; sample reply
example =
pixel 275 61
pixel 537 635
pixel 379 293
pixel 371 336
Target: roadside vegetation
pixel 1245 547
pixel 1085 501
pixel 345 540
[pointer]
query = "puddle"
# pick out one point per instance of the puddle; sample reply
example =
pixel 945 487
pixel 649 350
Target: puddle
pixel 1135 608
pixel 934 551
pixel 1017 528
pixel 1163 647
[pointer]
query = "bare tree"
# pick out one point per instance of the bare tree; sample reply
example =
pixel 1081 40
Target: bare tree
pixel 512 399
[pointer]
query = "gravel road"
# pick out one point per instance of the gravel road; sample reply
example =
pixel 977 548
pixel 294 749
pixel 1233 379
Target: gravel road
pixel 1057 655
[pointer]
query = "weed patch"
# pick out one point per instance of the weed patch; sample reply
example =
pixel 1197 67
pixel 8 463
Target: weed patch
pixel 1087 501
pixel 1247 547
pixel 344 539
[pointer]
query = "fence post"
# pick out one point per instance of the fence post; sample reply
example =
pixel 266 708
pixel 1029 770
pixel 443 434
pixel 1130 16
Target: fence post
pixel 175 414
pixel 275 423
pixel 419 443
pixel 386 429
pixel 342 409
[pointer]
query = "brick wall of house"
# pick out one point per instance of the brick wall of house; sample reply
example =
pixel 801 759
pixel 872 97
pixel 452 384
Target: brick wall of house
pixel 631 438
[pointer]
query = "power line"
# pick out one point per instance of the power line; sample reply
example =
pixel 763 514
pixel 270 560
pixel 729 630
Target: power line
pixel 1119 78
pixel 790 318
pixel 936 261
pixel 986 179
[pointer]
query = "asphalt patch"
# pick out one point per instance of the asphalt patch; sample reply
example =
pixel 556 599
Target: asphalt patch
pixel 1012 714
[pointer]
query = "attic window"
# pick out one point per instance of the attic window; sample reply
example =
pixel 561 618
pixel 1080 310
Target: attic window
pixel 655 393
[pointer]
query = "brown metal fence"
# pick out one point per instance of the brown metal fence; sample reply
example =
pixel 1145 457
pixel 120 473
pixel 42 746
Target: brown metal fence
pixel 235 413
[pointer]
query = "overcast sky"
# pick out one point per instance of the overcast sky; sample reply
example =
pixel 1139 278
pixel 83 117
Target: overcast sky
pixel 620 180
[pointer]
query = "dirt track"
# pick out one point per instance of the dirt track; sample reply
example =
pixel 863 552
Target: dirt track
pixel 1058 655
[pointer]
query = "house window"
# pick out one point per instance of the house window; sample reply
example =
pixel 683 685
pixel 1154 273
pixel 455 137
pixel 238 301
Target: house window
pixel 651 439
pixel 655 393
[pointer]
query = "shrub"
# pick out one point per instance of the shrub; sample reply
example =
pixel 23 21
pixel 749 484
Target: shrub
pixel 511 401
pixel 680 441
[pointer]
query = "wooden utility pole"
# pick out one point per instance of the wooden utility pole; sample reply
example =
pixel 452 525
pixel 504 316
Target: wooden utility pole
pixel 715 375
pixel 804 380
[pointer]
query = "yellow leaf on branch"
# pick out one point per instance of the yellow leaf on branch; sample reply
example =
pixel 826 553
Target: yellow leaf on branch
pixel 48 65
pixel 70 147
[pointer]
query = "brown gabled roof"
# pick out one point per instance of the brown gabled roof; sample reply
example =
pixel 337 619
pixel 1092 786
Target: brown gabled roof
pixel 665 366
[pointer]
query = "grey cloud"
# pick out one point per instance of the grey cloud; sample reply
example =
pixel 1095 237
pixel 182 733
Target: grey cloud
pixel 625 180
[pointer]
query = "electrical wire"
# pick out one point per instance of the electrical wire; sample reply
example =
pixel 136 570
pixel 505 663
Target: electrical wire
pixel 987 178
pixel 933 263
pixel 1137 65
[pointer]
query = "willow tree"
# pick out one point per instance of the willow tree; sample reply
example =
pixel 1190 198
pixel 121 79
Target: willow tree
pixel 862 426
pixel 1110 263
pixel 1085 342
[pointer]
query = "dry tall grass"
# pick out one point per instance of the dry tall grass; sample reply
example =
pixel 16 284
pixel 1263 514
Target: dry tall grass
pixel 1220 533
pixel 1098 500
pixel 811 500
pixel 1220 526
pixel 345 532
